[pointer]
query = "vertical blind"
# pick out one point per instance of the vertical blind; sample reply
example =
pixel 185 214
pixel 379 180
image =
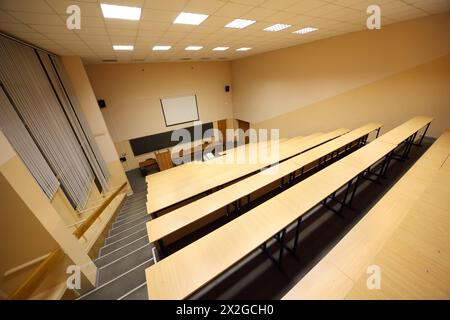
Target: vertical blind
pixel 18 136
pixel 76 119
pixel 85 126
pixel 54 122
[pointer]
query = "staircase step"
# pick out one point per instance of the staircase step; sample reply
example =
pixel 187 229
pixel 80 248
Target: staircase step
pixel 120 252
pixel 130 217
pixel 123 225
pixel 137 198
pixel 125 211
pixel 121 285
pixel 111 245
pixel 138 293
pixel 137 206
pixel 125 263
pixel 114 236
pixel 130 214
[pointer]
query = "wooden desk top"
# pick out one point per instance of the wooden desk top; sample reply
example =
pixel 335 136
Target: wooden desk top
pixel 187 270
pixel 182 273
pixel 414 261
pixel 175 220
pixel 166 188
pixel 405 233
pixel 402 132
pixel 369 154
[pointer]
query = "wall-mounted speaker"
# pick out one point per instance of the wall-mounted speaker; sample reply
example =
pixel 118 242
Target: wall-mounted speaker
pixel 227 88
pixel 101 103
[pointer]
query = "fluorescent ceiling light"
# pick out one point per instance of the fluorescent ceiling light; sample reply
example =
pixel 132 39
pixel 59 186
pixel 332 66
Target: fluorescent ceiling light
pixel 120 47
pixel 161 48
pixel 190 18
pixel 243 49
pixel 120 12
pixel 277 27
pixel 240 24
pixel 193 48
pixel 305 30
pixel 221 48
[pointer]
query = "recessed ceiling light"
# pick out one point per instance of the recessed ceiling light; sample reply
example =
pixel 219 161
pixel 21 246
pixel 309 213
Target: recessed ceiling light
pixel 120 12
pixel 161 48
pixel 305 30
pixel 190 18
pixel 193 48
pixel 277 27
pixel 121 47
pixel 243 49
pixel 221 48
pixel 240 24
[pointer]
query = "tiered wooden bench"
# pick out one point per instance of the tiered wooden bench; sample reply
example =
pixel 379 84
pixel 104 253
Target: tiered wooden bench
pixel 173 186
pixel 160 228
pixel 187 270
pixel 405 234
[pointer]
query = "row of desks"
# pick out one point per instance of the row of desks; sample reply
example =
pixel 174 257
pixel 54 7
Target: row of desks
pixel 189 269
pixel 175 185
pixel 405 234
pixel 184 216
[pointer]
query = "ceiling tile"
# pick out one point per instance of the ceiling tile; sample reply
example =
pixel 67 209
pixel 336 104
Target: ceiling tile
pixel 87 9
pixel 42 22
pixel 36 6
pixel 279 4
pixel 159 15
pixel 38 18
pixel 232 10
pixel 176 5
pixel 203 6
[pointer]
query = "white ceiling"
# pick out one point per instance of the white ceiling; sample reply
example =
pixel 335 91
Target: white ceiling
pixel 42 22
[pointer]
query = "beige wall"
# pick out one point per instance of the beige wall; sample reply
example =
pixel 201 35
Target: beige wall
pixel 30 226
pixel 132 93
pixel 307 88
pixel 88 103
pixel 86 97
pixel 423 90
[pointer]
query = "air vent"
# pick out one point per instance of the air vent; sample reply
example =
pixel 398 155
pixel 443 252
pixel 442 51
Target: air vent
pixel 205 58
pixel 185 59
pixel 109 60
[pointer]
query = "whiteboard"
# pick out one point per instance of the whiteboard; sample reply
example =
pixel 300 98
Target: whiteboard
pixel 179 110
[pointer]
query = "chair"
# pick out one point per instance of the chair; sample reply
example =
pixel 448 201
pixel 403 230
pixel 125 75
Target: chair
pixel 164 160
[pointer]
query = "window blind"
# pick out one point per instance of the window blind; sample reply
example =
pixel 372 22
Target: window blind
pixel 38 106
pixel 19 137
pixel 76 118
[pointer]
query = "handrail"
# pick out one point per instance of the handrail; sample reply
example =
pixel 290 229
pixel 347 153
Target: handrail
pixel 35 278
pixel 75 223
pixel 25 265
pixel 81 230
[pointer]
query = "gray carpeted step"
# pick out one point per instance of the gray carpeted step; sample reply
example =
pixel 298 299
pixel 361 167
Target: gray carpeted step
pixel 125 263
pixel 120 220
pixel 132 211
pixel 137 198
pixel 111 245
pixel 119 235
pixel 123 225
pixel 133 207
pixel 130 214
pixel 121 285
pixel 120 252
pixel 138 293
